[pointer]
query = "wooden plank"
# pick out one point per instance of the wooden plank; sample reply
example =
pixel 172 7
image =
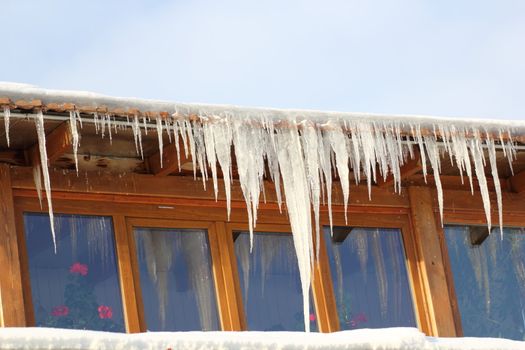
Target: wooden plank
pixel 416 277
pixel 432 266
pixel 411 167
pixel 323 292
pixel 453 182
pixel 12 312
pixel 517 182
pixel 185 187
pixel 231 294
pixel 126 277
pixel 170 163
pixel 58 142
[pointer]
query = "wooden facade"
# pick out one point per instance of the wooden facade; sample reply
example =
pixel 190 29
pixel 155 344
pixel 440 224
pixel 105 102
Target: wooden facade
pixel 174 201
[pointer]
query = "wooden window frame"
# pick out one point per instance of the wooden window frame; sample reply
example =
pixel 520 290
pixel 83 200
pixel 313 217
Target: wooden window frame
pixel 179 198
pixel 210 227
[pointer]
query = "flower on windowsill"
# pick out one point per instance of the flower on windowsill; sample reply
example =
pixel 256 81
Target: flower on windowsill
pixel 105 311
pixel 78 269
pixel 59 311
pixel 357 319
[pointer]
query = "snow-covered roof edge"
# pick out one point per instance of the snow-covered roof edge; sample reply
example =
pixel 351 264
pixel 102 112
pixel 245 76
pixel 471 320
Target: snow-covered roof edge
pixel 15 91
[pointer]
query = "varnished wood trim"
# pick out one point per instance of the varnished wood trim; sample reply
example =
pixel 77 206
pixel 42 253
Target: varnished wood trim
pixel 126 276
pixel 11 292
pixel 432 266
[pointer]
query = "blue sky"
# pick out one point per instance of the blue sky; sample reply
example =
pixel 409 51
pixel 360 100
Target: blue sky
pixel 450 58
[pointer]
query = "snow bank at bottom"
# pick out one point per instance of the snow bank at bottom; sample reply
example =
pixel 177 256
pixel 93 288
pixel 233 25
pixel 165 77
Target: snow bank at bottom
pixel 363 339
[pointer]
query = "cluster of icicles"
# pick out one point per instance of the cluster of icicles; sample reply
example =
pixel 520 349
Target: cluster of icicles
pixel 305 156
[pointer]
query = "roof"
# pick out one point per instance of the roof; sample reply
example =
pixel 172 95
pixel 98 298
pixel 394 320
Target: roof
pixel 28 97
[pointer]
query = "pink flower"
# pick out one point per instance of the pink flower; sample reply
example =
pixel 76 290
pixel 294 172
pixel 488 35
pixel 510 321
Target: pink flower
pixel 357 319
pixel 105 311
pixel 61 310
pixel 78 268
pixel 312 318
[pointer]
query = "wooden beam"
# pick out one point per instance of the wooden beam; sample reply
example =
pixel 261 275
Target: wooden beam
pixel 453 182
pixel 58 142
pixel 185 187
pixel 517 182
pixel 428 246
pixel 11 292
pixel 411 167
pixel 170 163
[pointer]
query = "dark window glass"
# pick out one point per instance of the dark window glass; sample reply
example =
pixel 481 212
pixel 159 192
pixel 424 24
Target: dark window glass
pixel 489 279
pixel 270 282
pixel 78 287
pixel 370 278
pixel 178 290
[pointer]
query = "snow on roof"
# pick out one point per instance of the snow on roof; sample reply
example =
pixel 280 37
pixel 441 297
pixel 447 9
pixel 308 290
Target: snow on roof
pixel 17 91
pixel 363 339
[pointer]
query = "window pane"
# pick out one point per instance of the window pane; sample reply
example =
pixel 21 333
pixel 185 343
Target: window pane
pixel 370 278
pixel 489 280
pixel 270 282
pixel 77 287
pixel 176 280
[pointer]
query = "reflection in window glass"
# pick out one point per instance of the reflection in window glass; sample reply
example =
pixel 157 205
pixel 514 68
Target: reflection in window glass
pixel 176 279
pixel 489 279
pixel 370 278
pixel 270 282
pixel 78 287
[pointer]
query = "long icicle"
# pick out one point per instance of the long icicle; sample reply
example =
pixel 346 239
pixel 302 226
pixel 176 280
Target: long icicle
pixel 7 116
pixel 39 121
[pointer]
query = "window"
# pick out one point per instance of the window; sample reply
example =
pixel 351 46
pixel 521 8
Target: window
pixel 176 280
pixel 370 278
pixel 270 282
pixel 76 287
pixel 489 280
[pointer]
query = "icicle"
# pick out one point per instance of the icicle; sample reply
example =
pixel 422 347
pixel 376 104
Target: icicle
pixel 337 141
pixel 497 186
pixel 137 136
pixel 221 135
pixel 433 156
pixel 310 146
pixel 167 126
pixel 366 140
pixel 293 172
pixel 145 124
pixel 159 137
pixel 37 178
pixel 73 116
pixel 477 156
pixel 39 120
pixel 420 143
pixel 108 119
pixel 7 115
pixel 249 152
pixel 211 156
pixel 324 161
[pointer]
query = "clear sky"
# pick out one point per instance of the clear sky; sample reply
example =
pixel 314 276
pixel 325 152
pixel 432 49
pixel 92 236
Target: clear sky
pixel 439 57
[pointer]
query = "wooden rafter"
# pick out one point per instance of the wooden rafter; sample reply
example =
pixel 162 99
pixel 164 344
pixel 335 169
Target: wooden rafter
pixel 411 167
pixel 170 162
pixel 58 142
pixel 517 182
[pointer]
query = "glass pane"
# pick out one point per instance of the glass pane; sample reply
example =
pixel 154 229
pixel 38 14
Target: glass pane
pixel 77 287
pixel 489 280
pixel 178 290
pixel 270 282
pixel 370 278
